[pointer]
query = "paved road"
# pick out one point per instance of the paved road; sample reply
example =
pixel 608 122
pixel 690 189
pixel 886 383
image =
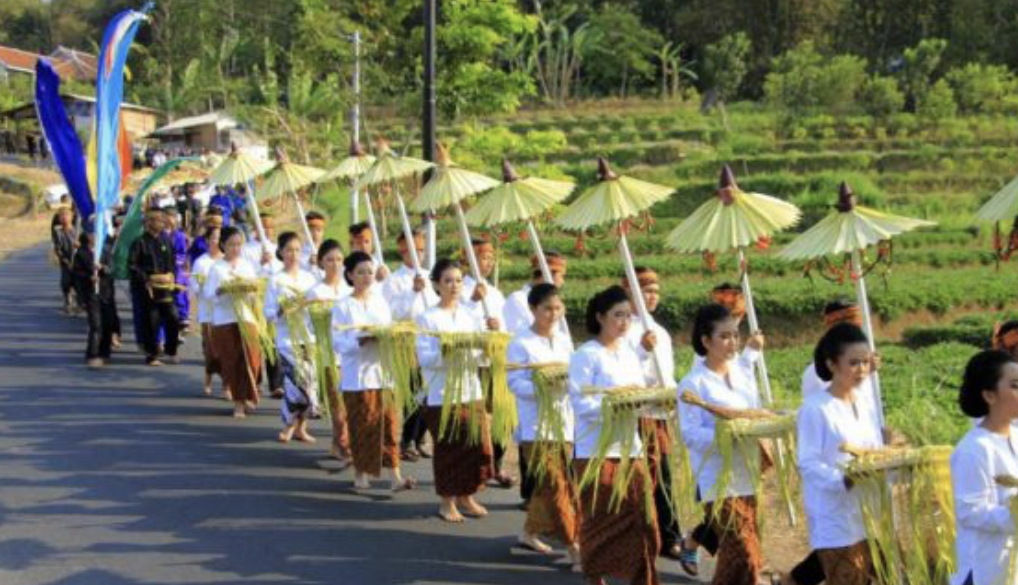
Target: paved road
pixel 129 476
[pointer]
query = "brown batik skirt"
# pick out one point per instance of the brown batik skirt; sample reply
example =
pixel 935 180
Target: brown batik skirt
pixel 460 469
pixel 240 364
pixel 211 361
pixel 374 430
pixel 848 565
pixel 618 543
pixel 551 509
pixel 739 558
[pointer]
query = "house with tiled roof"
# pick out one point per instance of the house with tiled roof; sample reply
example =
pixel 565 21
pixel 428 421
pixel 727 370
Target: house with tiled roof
pixel 68 63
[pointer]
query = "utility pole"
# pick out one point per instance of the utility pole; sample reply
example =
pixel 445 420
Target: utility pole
pixel 428 125
pixel 355 117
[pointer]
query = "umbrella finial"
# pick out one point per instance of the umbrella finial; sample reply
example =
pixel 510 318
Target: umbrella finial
pixel 442 157
pixel 846 198
pixel 233 148
pixel 280 155
pixel 356 148
pixel 382 146
pixel 604 170
pixel 727 185
pixel 508 172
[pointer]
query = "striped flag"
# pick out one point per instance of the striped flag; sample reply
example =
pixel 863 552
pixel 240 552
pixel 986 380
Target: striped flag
pixel 109 93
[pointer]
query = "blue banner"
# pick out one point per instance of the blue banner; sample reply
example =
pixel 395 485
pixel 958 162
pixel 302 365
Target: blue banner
pixel 63 140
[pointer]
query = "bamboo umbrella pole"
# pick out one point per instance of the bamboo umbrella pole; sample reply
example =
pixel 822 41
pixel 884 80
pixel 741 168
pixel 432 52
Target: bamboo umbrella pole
pixel 304 223
pixel 641 306
pixel 257 215
pixel 471 257
pixel 539 251
pixel 379 258
pixel 867 320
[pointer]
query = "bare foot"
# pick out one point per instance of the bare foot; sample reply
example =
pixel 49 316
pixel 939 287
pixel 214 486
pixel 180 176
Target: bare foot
pixel 238 411
pixel 285 436
pixel 304 437
pixel 227 395
pixel 449 513
pixel 532 542
pixel 361 482
pixel 403 485
pixel 207 390
pixel 471 508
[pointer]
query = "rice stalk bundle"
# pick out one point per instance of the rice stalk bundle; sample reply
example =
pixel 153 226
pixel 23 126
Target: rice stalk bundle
pixel 247 296
pixel 621 410
pixel 550 386
pixel 907 504
pixel 294 309
pixel 397 346
pixel 755 440
pixel 463 353
pixel 324 356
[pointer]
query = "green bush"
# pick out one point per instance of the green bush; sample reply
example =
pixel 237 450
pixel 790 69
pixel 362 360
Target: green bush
pixel 802 80
pixel 938 103
pixel 981 88
pixel 881 97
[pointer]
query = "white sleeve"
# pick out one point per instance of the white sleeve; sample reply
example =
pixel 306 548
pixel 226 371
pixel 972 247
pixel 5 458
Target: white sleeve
pixel 698 436
pixel 429 349
pixel 581 374
pixel 211 285
pixel 344 341
pixel 810 445
pixel 521 381
pixel 974 495
pixel 271 308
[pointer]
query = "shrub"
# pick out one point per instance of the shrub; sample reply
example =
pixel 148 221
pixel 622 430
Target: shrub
pixel 881 97
pixel 981 88
pixel 938 103
pixel 802 80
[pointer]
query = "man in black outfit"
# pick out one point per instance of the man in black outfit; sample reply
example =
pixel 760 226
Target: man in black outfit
pixel 64 238
pixel 153 269
pixel 99 301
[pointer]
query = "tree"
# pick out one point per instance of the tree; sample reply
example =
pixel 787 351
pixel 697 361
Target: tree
pixel 673 69
pixel 724 65
pixel 803 80
pixel 981 89
pixel 938 103
pixel 881 97
pixel 554 52
pixel 474 73
pixel 919 63
pixel 622 49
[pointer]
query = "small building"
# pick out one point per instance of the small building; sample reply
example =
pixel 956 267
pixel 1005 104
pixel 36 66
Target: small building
pixel 214 131
pixel 19 126
pixel 69 64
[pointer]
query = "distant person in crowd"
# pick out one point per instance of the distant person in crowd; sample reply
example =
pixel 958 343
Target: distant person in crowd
pixel 153 267
pixel 65 240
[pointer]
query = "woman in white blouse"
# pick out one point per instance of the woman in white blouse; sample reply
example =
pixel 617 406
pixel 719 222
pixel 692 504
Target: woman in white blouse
pixel 840 415
pixel 367 392
pixel 199 274
pixel 722 381
pixel 614 541
pixel 550 508
pixel 985 527
pixel 240 362
pixel 460 468
pixel 300 389
pixel 333 288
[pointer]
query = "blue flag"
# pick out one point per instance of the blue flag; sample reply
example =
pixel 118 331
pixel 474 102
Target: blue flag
pixel 109 88
pixel 63 140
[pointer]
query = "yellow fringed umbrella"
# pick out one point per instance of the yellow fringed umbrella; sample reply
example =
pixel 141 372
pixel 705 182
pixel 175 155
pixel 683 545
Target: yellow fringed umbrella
pixel 289 178
pixel 351 169
pixel 850 229
pixel 448 186
pixel 733 220
pixel 389 168
pixel 520 199
pixel 238 167
pixel 1003 206
pixel 612 201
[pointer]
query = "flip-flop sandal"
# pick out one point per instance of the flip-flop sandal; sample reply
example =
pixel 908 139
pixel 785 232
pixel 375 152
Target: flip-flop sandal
pixel 408 484
pixel 690 562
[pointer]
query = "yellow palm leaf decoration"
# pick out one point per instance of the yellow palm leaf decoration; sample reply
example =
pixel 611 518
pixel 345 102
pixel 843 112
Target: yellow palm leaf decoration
pixel 614 199
pixel 850 229
pixel 517 199
pixel 287 177
pixel 1003 205
pixel 449 184
pixel 389 166
pixel 732 220
pixel 351 167
pixel 239 167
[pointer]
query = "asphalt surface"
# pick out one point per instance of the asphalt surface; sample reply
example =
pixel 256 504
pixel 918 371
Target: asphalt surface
pixel 129 475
